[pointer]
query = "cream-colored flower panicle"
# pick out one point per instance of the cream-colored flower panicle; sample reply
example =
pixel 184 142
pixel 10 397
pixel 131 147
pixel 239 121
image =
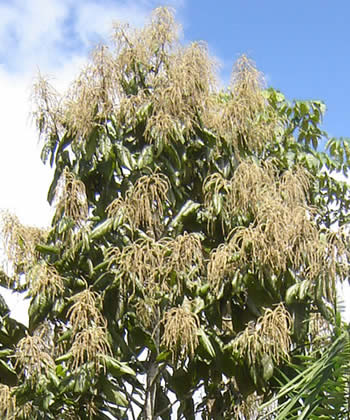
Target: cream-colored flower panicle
pixel 89 331
pixel 181 327
pixel 270 336
pixel 71 197
pixel 33 356
pixel 20 241
pixel 243 118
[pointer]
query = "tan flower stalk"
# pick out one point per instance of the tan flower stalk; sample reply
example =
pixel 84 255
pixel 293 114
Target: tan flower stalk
pixel 19 241
pixel 8 405
pixel 71 197
pixel 142 264
pixel 32 354
pixel 7 402
pixel 45 279
pixel 222 264
pixel 121 210
pixel 147 198
pixel 186 255
pixel 90 345
pixel 180 331
pixel 89 331
pixel 251 185
pixel 270 336
pixel 84 311
pixel 244 119
pixel 91 98
pixel 47 107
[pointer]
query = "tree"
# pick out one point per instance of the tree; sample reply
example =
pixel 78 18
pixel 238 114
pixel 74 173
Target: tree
pixel 196 244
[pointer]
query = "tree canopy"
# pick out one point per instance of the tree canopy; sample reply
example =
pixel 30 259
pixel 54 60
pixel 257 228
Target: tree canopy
pixel 192 261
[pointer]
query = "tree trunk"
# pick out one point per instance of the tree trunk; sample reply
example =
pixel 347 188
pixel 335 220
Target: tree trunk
pixel 151 391
pixel 152 373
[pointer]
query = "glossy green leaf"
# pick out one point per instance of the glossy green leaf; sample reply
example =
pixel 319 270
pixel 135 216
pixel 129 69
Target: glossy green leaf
pixel 205 341
pixel 117 368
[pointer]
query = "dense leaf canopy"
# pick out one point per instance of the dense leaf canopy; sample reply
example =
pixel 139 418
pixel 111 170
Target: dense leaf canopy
pixel 192 261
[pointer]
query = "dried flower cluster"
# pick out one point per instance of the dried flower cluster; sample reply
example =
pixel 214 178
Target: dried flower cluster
pixel 19 242
pixel 281 236
pixel 181 92
pixel 9 409
pixel 180 330
pixel 33 355
pixel 243 118
pixel 144 204
pixel 89 330
pixel 147 264
pixel 47 112
pixel 147 197
pixel 269 335
pixel 45 279
pixel 329 261
pixel 253 185
pixel 186 256
pixel 90 345
pixel 121 211
pixel 71 197
pixel 7 402
pixel 92 96
pixel 84 311
pixel 222 265
pixel 142 263
pixel 180 79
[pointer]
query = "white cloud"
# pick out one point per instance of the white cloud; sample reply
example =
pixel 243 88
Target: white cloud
pixel 92 21
pixel 33 28
pixel 23 179
pixel 46 33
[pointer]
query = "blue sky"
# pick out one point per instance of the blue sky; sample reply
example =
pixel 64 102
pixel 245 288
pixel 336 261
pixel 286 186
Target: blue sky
pixel 302 47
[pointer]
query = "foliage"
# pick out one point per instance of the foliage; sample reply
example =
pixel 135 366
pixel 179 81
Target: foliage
pixel 318 387
pixel 197 234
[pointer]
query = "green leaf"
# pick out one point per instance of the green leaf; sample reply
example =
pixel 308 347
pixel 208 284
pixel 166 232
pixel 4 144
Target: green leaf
pixel 125 157
pixel 304 109
pixel 5 352
pixel 38 309
pixel 268 367
pixel 205 341
pixel 117 368
pixel 119 399
pixel 8 375
pixel 164 356
pixel 81 382
pixel 188 208
pixel 4 309
pixel 146 157
pixel 64 357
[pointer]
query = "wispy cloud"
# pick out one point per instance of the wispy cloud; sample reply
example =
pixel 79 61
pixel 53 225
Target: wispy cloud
pixel 46 33
pixel 31 30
